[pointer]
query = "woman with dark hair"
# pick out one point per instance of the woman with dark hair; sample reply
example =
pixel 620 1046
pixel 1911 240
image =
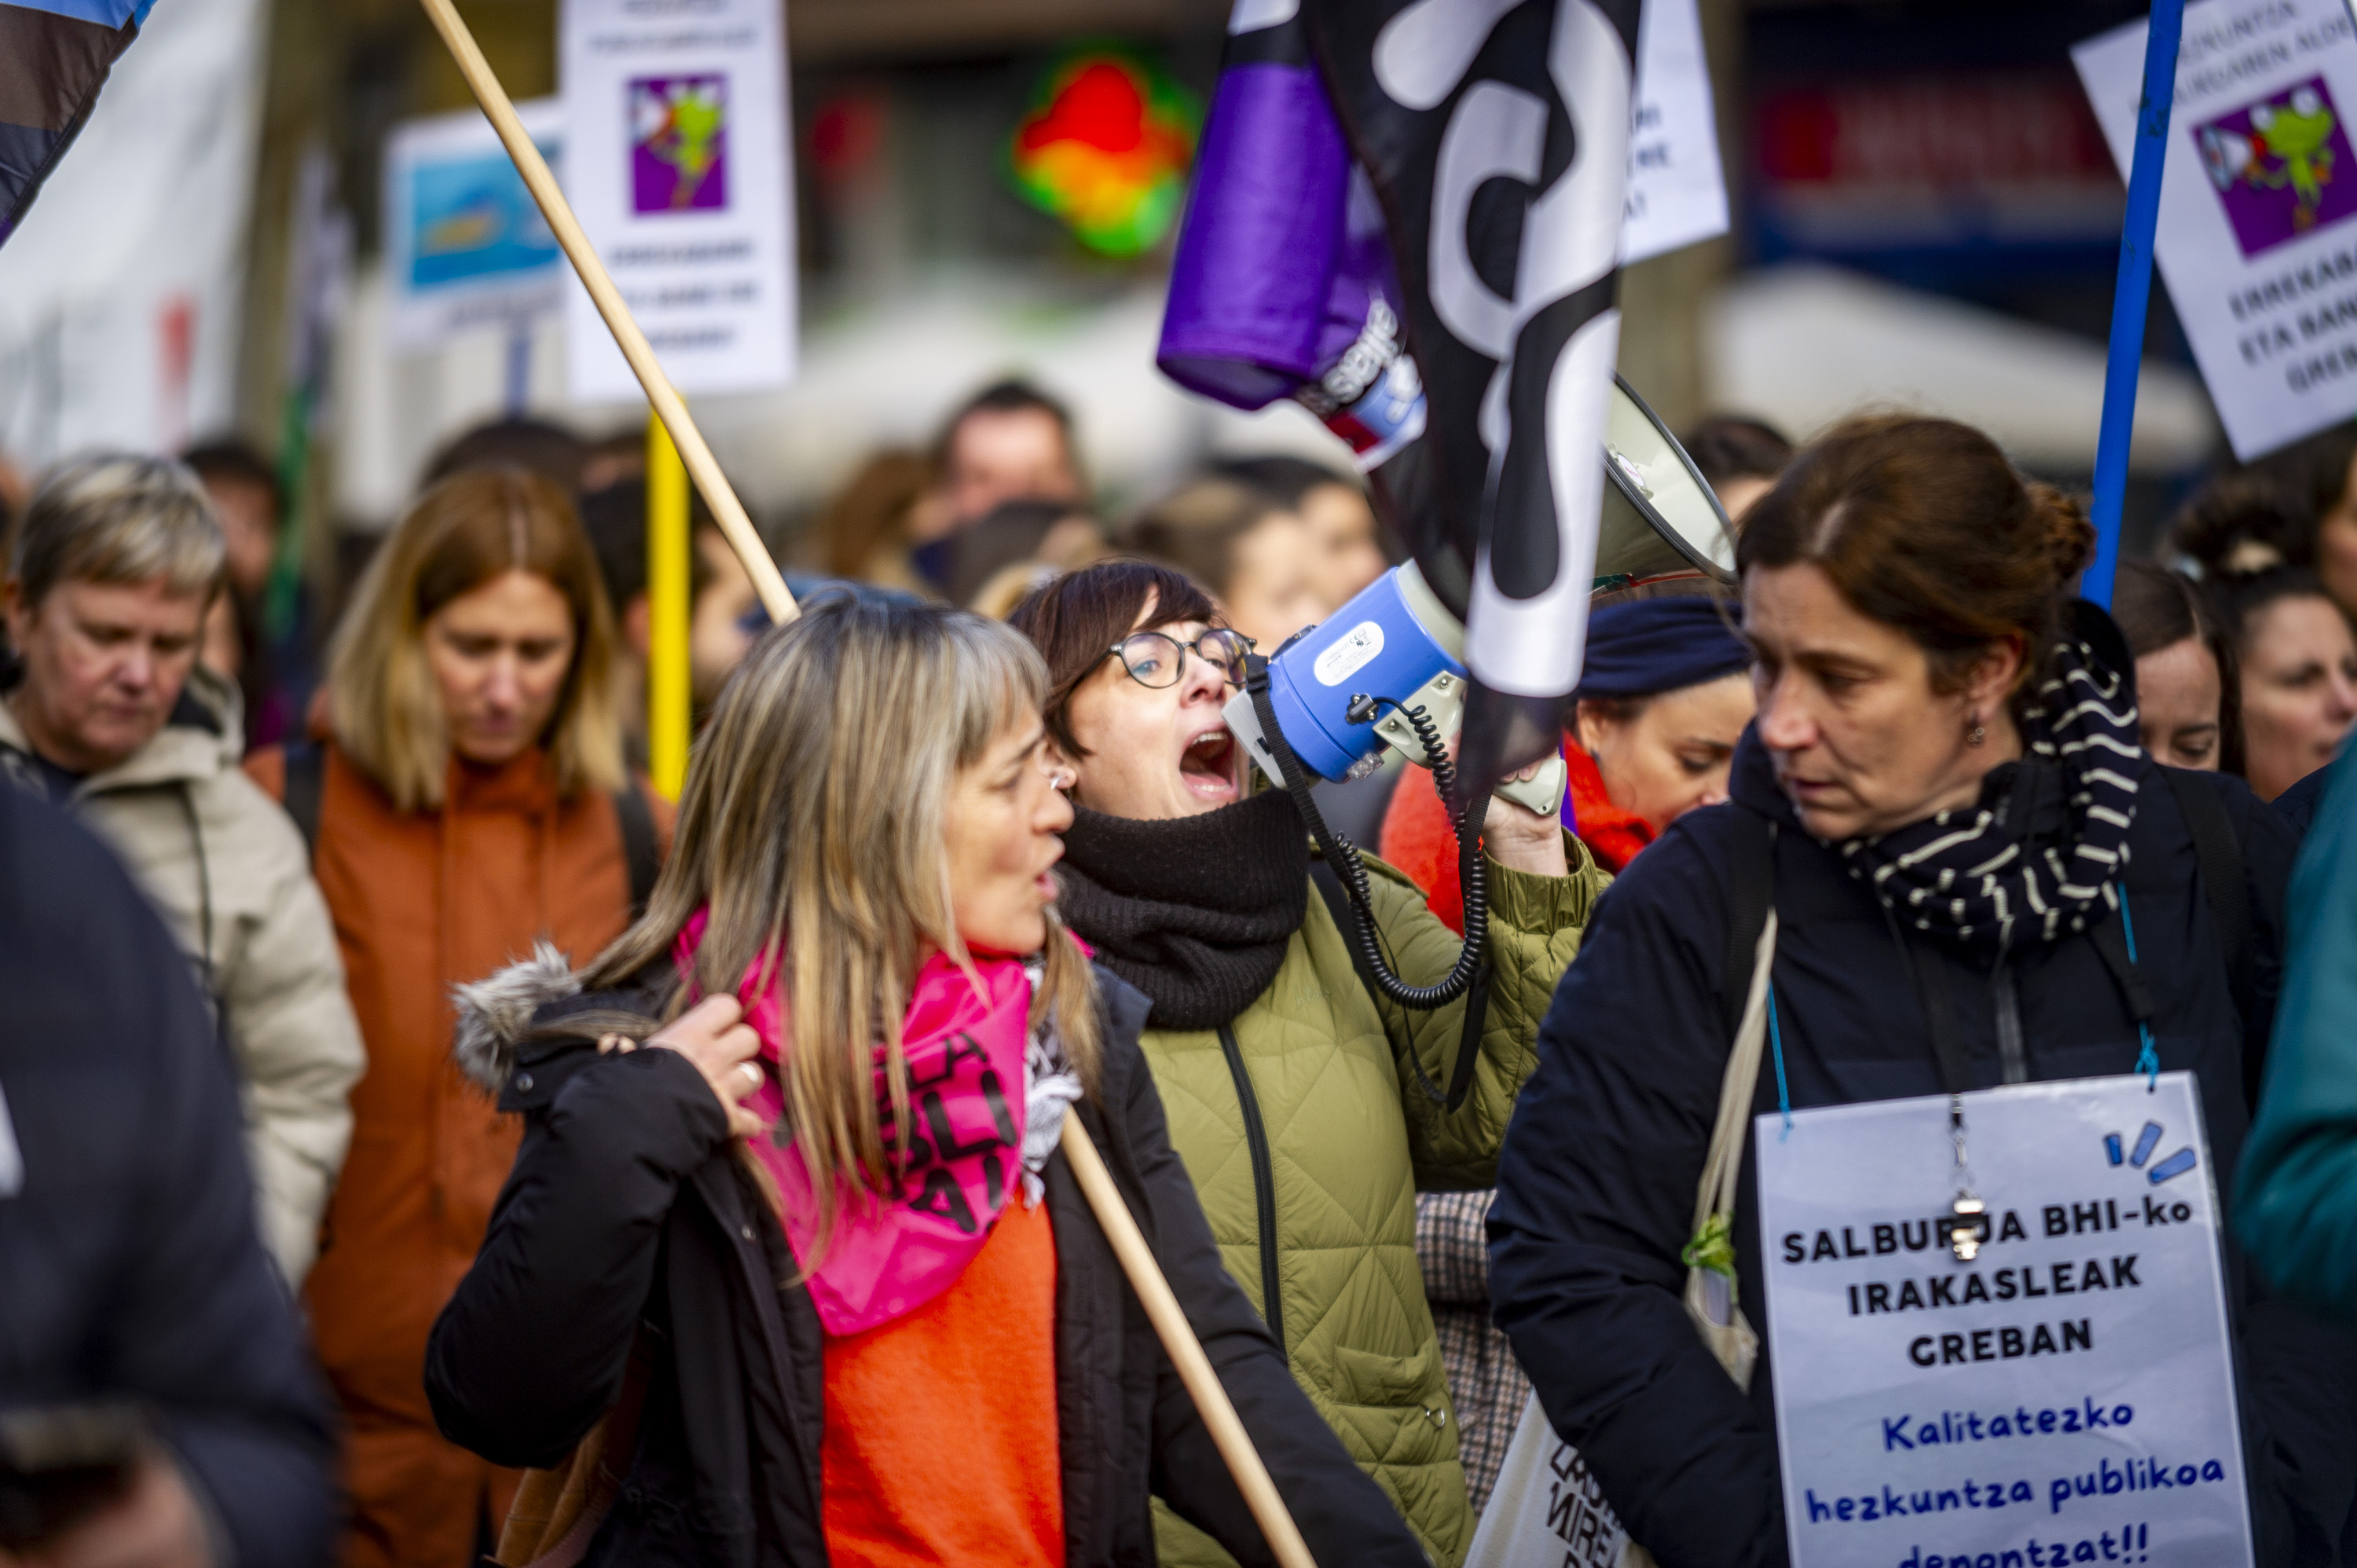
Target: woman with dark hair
pixel 2188 706
pixel 791 1202
pixel 2314 486
pixel 1931 704
pixel 2297 664
pixel 1307 1112
pixel 2239 522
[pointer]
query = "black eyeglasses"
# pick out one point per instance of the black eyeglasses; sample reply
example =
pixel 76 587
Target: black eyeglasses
pixel 1156 660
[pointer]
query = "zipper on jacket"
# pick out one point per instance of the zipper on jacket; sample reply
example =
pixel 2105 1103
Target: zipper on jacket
pixel 1263 1186
pixel 2009 1045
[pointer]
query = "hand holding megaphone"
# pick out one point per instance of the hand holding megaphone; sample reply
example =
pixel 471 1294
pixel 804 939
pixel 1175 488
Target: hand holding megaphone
pixel 1520 835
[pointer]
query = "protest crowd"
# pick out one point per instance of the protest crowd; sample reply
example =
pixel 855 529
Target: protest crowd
pixel 426 1140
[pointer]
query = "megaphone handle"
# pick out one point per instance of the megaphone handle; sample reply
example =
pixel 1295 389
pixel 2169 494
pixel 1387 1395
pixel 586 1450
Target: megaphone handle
pixel 1541 792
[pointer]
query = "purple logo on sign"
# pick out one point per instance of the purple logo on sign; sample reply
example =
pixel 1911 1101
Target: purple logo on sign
pixel 679 143
pixel 2282 165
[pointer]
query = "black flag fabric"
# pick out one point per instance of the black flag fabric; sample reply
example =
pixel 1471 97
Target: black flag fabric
pixel 1496 133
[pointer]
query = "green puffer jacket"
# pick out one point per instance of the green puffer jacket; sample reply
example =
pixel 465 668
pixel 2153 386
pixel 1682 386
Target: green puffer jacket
pixel 1305 1111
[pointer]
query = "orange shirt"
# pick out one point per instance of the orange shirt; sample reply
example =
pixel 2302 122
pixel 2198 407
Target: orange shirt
pixel 941 1426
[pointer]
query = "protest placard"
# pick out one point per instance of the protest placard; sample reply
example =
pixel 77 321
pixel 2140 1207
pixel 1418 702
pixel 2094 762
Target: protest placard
pixel 678 166
pixel 2255 242
pixel 2065 1396
pixel 465 245
pixel 1677 190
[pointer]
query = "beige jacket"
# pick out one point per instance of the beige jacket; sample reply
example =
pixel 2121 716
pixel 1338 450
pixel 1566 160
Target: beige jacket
pixel 232 879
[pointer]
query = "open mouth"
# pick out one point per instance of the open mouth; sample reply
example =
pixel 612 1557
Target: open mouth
pixel 1208 765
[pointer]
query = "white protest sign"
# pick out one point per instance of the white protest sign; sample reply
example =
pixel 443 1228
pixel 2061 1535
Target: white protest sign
pixel 1677 191
pixel 678 165
pixel 2066 1397
pixel 464 244
pixel 2258 196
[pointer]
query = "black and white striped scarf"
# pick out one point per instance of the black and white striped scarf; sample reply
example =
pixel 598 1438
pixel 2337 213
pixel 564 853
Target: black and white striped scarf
pixel 1974 873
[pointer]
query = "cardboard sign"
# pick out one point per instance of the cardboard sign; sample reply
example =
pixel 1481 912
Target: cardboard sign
pixel 1677 191
pixel 2066 1397
pixel 465 246
pixel 2257 198
pixel 679 168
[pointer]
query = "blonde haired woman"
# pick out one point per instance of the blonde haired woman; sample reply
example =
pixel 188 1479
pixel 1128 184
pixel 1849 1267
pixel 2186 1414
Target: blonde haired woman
pixel 469 800
pixel 873 1321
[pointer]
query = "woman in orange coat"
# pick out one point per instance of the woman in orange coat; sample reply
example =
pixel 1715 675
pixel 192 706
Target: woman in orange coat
pixel 472 801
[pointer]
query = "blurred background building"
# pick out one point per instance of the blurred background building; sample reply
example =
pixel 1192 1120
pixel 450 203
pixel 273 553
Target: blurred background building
pixel 1925 216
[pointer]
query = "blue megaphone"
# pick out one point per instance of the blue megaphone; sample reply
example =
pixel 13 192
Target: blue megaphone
pixel 1342 691
pixel 1374 675
pixel 1386 671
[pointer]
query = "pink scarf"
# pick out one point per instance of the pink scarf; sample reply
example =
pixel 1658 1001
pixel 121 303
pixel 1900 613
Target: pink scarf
pixel 964 1054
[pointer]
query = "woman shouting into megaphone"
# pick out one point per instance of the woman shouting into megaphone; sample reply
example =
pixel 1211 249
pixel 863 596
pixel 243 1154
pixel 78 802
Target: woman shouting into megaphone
pixel 1298 1100
pixel 791 1268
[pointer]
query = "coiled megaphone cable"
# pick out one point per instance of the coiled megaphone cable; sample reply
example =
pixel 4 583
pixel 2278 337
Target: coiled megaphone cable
pixel 1471 968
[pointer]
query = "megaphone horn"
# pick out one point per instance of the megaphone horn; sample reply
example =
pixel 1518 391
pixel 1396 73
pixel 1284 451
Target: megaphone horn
pixel 1661 518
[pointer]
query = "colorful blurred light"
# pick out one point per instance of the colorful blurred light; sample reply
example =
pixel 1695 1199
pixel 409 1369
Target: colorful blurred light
pixel 1105 148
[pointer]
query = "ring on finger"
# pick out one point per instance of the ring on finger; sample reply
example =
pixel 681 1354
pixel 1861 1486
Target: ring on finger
pixel 755 1068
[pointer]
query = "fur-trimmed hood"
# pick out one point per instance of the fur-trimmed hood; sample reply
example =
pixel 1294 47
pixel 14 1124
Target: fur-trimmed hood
pixel 494 1014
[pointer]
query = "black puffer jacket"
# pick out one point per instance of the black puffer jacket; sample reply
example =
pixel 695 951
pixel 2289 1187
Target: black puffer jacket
pixel 625 1207
pixel 1597 1187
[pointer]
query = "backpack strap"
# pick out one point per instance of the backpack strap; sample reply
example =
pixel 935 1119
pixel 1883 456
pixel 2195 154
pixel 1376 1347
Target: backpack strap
pixel 641 852
pixel 306 778
pixel 2219 852
pixel 1750 889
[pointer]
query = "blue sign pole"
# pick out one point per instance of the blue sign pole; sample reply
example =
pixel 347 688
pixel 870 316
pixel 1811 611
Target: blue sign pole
pixel 2131 292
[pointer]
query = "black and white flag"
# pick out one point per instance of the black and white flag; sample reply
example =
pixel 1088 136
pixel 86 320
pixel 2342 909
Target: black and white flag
pixel 1496 132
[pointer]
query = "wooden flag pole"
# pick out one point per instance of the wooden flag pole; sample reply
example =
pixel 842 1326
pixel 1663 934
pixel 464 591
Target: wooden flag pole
pixel 1106 1201
pixel 726 510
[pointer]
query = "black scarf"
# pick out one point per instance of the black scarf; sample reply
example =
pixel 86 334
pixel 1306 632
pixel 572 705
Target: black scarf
pixel 1989 871
pixel 1196 911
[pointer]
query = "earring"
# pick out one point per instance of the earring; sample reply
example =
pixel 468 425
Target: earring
pixel 1975 734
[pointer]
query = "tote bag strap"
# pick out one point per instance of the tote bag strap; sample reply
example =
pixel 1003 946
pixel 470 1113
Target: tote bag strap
pixel 1723 1165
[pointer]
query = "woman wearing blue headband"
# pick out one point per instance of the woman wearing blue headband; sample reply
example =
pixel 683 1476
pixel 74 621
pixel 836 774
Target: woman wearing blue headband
pixel 1662 700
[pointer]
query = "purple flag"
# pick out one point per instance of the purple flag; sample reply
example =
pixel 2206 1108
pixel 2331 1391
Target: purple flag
pixel 1283 282
pixel 1495 135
